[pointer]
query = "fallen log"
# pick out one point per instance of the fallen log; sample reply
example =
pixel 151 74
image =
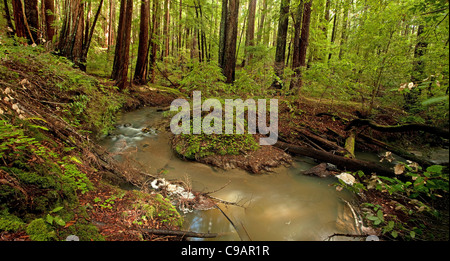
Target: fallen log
pixel 398 128
pixel 341 162
pixel 324 142
pixel 179 233
pixel 398 151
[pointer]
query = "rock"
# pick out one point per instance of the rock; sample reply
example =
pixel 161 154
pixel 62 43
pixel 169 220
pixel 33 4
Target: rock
pixel 319 170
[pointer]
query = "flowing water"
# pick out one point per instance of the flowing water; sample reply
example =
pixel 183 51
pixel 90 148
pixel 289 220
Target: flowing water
pixel 280 205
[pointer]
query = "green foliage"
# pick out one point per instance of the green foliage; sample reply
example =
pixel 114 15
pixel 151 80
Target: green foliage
pixel 408 197
pixel 204 77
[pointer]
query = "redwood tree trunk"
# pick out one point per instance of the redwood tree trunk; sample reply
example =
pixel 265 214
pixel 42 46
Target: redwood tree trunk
pixel 122 54
pixel 153 40
pixel 305 32
pixel 32 14
pixel 296 52
pixel 140 74
pixel 250 35
pixel 261 21
pixel 49 7
pixel 230 41
pixel 19 18
pixel 166 27
pixel 223 33
pixel 283 23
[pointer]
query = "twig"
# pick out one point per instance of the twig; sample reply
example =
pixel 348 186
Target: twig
pixel 180 233
pixel 207 193
pixel 343 235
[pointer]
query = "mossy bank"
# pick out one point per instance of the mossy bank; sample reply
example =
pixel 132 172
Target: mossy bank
pixel 51 182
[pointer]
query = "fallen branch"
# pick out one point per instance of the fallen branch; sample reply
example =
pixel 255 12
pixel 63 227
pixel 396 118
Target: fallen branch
pixel 341 162
pixel 344 235
pixel 404 154
pixel 179 233
pixel 399 128
pixel 324 142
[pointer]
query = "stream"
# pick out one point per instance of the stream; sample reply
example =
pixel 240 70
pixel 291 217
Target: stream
pixel 276 206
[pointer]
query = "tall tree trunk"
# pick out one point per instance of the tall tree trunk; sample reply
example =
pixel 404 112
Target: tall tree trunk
pixel 180 16
pixel 305 32
pixel 119 40
pixel 8 18
pixel 344 27
pixel 296 52
pixel 280 54
pixel 71 37
pixel 166 27
pixel 223 33
pixel 122 54
pixel 230 41
pixel 333 32
pixel 19 18
pixel 140 74
pixel 250 34
pixel 261 22
pixel 154 40
pixel 32 14
pixel 112 22
pixel 49 7
pixel 88 38
pixel 76 46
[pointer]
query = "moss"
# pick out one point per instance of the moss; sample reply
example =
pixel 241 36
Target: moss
pixel 10 222
pixel 199 146
pixel 86 232
pixel 167 212
pixel 39 230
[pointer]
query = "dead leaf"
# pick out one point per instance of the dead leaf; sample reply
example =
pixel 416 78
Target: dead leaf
pixel 70 223
pixel 399 169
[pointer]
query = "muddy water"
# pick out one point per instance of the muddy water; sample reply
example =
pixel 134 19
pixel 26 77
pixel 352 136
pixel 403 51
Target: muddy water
pixel 281 205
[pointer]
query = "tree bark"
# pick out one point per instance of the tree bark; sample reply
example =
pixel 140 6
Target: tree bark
pixel 250 34
pixel 49 7
pixel 166 27
pixel 140 74
pixel 154 41
pixel 88 38
pixel 122 54
pixel 223 33
pixel 305 32
pixel 229 55
pixel 261 21
pixel 112 22
pixel 280 53
pixel 296 52
pixel 19 18
pixel 32 14
pixel 119 40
